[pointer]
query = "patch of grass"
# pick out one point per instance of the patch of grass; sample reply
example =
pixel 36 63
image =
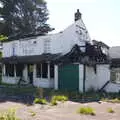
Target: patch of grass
pixel 86 111
pixel 9 115
pixel 110 110
pixel 40 101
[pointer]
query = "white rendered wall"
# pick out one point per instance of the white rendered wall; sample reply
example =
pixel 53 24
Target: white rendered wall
pixel 96 81
pixel 91 81
pixel 59 43
pixel 112 87
pixel 10 80
pixel 103 74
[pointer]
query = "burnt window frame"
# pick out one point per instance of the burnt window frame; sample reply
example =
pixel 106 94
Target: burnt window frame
pixel 9 70
pixel 38 70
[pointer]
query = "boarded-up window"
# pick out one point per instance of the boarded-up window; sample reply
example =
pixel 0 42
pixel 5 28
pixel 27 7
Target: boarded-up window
pixel 9 70
pixel 115 75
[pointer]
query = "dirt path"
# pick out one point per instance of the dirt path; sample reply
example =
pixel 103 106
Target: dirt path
pixel 63 111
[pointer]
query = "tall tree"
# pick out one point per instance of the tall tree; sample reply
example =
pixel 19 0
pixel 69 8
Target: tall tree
pixel 24 17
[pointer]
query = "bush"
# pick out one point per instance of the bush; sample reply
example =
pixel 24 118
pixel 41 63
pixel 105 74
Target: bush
pixel 110 110
pixel 60 98
pixel 86 111
pixel 9 115
pixel 53 102
pixel 40 101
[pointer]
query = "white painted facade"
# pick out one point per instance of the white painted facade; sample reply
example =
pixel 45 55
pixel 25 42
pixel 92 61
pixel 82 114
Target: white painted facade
pixel 97 80
pixel 56 43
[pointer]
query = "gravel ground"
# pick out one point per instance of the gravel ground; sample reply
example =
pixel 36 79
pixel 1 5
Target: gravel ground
pixel 63 111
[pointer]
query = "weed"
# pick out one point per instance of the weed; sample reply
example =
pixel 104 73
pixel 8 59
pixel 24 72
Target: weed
pixel 53 102
pixel 60 98
pixel 110 110
pixel 40 101
pixel 86 111
pixel 32 113
pixel 9 115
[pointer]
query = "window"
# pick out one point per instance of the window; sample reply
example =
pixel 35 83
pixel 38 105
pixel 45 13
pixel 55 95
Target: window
pixel 51 71
pixel 44 70
pixel 38 70
pixel 9 70
pixel 19 69
pixel 115 75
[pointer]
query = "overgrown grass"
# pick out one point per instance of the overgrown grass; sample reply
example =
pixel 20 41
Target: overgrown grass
pixel 9 115
pixel 110 110
pixel 9 89
pixel 40 101
pixel 86 111
pixel 114 100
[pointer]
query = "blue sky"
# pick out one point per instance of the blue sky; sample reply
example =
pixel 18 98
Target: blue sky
pixel 101 17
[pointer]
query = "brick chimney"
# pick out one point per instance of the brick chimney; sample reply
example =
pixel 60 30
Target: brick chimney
pixel 78 15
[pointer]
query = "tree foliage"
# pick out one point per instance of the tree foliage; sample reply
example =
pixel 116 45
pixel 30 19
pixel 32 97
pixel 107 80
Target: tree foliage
pixel 3 38
pixel 24 17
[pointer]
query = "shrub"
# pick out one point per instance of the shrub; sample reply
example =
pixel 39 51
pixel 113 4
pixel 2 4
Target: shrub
pixel 110 110
pixel 9 115
pixel 60 98
pixel 53 102
pixel 40 101
pixel 86 111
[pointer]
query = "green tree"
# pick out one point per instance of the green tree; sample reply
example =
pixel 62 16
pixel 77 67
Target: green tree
pixel 24 17
pixel 3 38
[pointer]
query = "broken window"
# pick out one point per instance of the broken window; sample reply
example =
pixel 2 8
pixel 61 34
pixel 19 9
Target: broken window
pixel 9 70
pixel 51 71
pixel 44 70
pixel 19 69
pixel 38 70
pixel 115 75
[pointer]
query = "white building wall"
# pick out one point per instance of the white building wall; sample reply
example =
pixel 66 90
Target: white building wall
pixel 98 79
pixel 91 81
pixel 10 80
pixel 103 74
pixel 112 87
pixel 59 43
